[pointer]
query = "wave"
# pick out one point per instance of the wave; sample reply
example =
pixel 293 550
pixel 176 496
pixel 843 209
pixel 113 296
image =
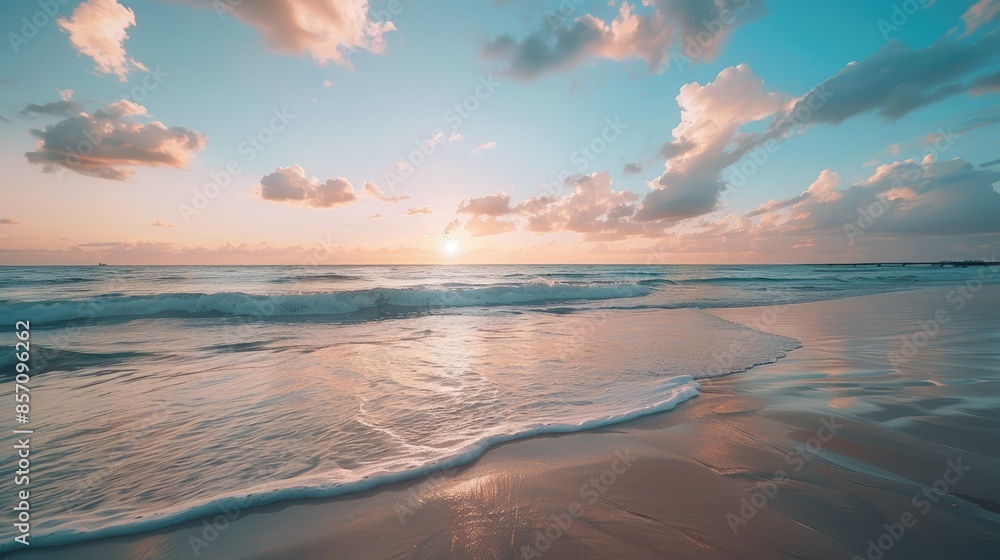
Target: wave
pixel 674 391
pixel 657 282
pixel 595 274
pixel 737 280
pixel 328 277
pixel 311 304
pixel 48 281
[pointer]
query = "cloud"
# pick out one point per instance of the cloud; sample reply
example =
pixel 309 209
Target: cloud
pixel 899 202
pixel 480 227
pixel 707 141
pixel 484 147
pixel 824 189
pixel 438 138
pixel 372 190
pixel 989 83
pixel 452 227
pixel 710 138
pixel 897 80
pixel 105 143
pixel 161 223
pixel 97 29
pixel 693 28
pixel 772 205
pixel 480 224
pixel 951 197
pixel 455 137
pixel 9 221
pixel 491 205
pixel 290 185
pixel 327 30
pixel 424 209
pixel 591 208
pixel 673 148
pixel 632 168
pixel 64 107
pixel 979 14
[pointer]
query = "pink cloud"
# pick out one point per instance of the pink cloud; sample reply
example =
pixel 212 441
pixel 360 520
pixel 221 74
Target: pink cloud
pixel 424 209
pixel 980 13
pixel 592 208
pixel 480 227
pixel 97 29
pixel 372 190
pixel 290 185
pixel 491 205
pixel 484 147
pixel 328 30
pixel 707 141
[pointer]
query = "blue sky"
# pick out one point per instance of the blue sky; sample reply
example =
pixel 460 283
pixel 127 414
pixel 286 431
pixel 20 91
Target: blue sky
pixel 363 98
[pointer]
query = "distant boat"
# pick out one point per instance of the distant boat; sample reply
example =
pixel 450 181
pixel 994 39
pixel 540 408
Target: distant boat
pixel 102 264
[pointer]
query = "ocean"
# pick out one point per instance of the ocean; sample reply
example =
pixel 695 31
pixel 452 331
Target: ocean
pixel 160 394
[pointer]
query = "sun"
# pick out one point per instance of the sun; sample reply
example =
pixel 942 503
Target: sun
pixel 451 247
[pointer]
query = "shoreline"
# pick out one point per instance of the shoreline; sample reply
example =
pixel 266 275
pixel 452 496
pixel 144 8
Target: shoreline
pixel 717 451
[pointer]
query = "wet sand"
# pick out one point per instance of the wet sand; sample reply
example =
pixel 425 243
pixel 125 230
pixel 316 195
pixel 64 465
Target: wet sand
pixel 871 441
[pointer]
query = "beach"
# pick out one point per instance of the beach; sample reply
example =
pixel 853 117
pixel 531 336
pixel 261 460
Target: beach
pixel 365 280
pixel 872 440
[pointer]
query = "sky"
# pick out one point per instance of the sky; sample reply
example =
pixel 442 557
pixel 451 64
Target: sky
pixel 504 131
